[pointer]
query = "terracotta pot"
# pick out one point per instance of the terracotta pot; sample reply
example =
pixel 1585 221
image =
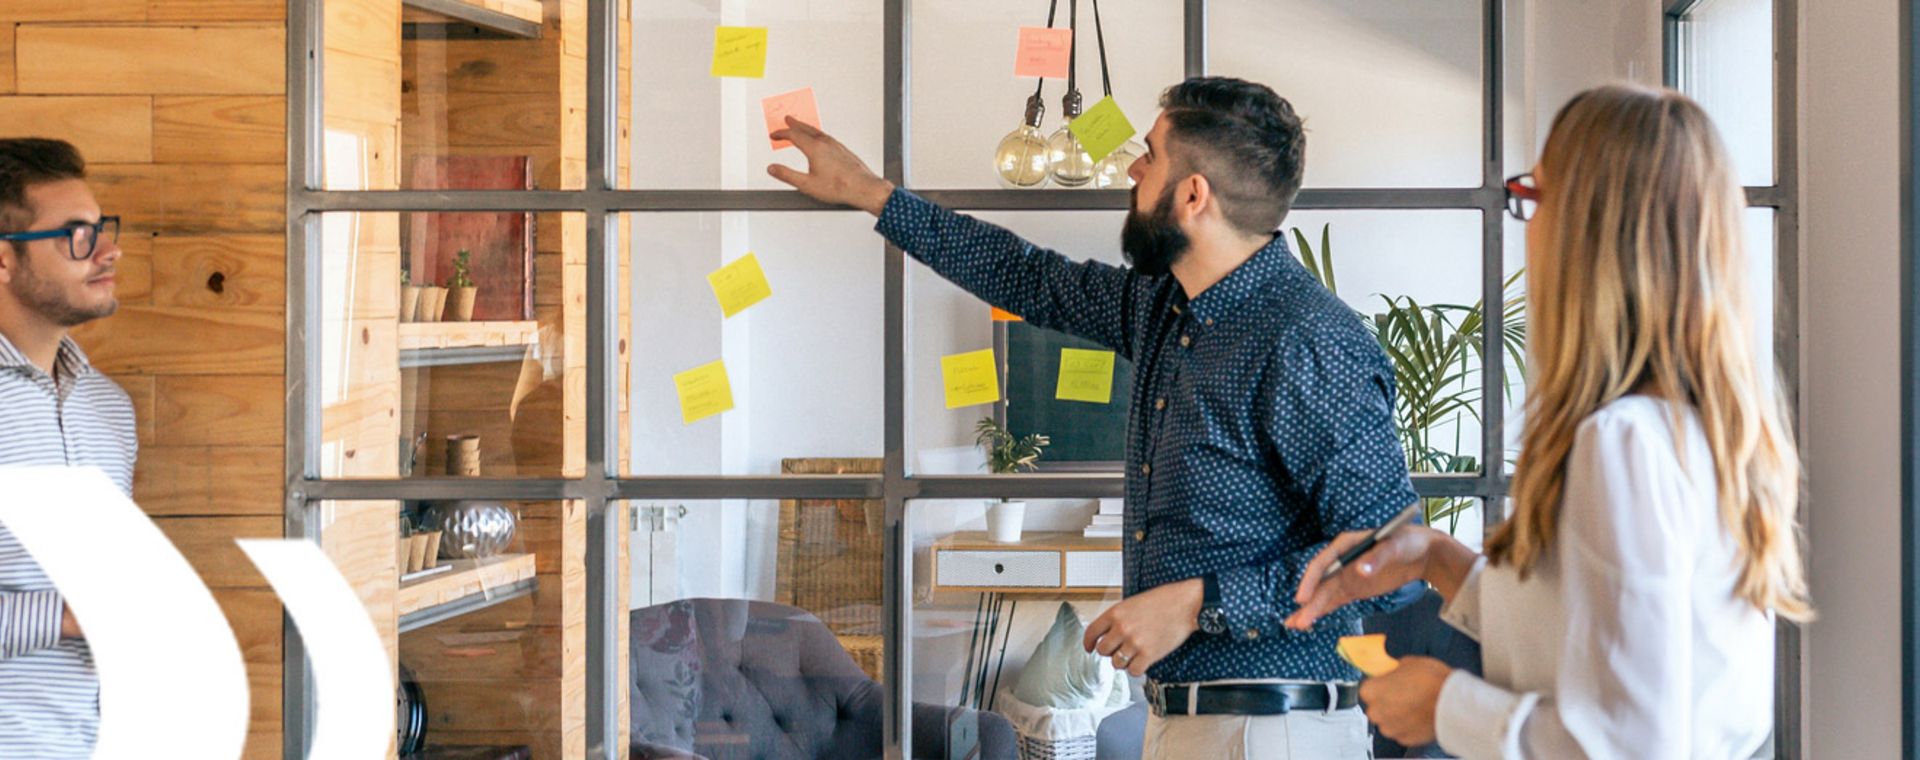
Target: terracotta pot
pixel 410 302
pixel 436 306
pixel 460 304
pixel 463 456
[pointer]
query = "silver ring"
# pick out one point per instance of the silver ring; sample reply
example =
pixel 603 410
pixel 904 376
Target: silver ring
pixel 1124 658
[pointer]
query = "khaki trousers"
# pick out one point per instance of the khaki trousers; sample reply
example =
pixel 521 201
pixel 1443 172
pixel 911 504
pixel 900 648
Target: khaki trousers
pixel 1298 735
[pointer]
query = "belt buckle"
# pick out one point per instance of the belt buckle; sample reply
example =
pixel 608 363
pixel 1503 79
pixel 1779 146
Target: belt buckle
pixel 1157 698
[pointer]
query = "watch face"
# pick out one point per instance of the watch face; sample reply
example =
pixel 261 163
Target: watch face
pixel 1213 621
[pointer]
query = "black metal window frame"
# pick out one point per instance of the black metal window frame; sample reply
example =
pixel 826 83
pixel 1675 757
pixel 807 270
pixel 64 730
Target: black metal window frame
pixel 602 488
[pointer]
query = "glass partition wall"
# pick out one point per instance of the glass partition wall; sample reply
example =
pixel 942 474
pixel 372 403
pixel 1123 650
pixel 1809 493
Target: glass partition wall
pixel 784 474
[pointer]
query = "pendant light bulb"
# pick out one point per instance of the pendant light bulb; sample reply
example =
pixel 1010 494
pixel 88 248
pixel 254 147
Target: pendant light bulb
pixel 1066 157
pixel 1112 171
pixel 1021 159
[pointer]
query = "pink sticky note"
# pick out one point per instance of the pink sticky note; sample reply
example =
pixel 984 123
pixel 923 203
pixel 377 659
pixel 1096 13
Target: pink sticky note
pixel 798 104
pixel 1044 52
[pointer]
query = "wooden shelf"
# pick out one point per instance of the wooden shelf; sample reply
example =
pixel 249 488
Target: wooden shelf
pixel 471 585
pixel 434 344
pixel 513 18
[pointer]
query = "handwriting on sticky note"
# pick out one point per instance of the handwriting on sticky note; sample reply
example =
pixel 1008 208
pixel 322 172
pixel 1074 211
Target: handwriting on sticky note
pixel 740 284
pixel 1044 52
pixel 798 104
pixel 740 51
pixel 1102 128
pixel 1368 653
pixel 971 378
pixel 704 392
pixel 1002 315
pixel 1085 376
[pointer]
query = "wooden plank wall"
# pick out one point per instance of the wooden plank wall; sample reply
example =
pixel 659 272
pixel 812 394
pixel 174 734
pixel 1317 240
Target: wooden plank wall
pixel 179 107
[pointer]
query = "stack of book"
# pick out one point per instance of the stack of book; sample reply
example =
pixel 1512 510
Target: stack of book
pixel 1106 522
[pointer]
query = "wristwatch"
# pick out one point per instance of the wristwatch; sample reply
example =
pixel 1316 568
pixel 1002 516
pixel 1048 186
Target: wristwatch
pixel 1213 620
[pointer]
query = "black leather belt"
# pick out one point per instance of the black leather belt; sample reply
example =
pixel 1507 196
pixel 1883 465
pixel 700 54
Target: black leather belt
pixel 1249 698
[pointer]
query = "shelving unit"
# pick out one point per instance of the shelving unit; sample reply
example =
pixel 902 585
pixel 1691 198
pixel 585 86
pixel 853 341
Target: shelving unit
pixel 512 18
pixel 439 344
pixel 471 585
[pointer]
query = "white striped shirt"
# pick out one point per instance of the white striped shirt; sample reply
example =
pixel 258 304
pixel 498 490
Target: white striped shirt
pixel 49 692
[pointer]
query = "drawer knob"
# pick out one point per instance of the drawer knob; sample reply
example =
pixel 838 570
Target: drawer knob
pixel 999 568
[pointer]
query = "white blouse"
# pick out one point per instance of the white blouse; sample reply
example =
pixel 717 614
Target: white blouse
pixel 1626 640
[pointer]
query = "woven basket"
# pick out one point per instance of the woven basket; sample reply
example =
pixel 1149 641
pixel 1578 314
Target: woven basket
pixel 1048 733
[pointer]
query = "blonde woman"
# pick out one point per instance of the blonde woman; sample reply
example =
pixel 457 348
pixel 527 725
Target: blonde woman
pixel 1626 608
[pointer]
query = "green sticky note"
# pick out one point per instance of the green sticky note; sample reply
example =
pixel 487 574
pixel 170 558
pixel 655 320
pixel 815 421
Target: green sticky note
pixel 1102 128
pixel 970 378
pixel 740 51
pixel 704 392
pixel 740 284
pixel 1085 376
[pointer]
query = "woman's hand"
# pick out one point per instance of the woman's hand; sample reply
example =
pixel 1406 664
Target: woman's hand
pixel 1403 703
pixel 1394 562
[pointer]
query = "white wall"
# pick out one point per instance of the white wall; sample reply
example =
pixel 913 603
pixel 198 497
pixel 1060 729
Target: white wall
pixel 1850 249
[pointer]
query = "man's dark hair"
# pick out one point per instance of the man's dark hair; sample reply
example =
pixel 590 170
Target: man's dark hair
pixel 29 161
pixel 1245 139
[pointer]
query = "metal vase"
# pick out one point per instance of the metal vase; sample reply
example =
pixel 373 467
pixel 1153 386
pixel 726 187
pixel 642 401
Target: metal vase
pixel 470 529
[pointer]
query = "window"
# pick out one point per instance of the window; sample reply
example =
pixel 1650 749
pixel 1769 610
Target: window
pixel 590 133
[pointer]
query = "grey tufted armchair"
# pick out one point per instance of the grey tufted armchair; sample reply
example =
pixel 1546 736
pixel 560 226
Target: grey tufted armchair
pixel 732 678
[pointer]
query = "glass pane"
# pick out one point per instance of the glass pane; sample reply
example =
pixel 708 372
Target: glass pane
pixel 1761 276
pixel 1516 380
pixel 947 321
pixel 966 97
pixel 983 611
pixel 798 374
pixel 693 130
pixel 1728 66
pixel 1417 61
pixel 420 379
pixel 787 593
pixel 469 596
pixel 418 100
pixel 1404 268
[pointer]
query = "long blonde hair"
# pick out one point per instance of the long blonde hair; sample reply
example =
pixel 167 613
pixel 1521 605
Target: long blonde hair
pixel 1639 288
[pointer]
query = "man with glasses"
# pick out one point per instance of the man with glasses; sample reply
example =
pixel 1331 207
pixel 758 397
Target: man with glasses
pixel 57 260
pixel 1260 427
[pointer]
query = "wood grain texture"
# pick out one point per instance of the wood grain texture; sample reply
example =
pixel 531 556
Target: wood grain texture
pixel 366 27
pixel 209 480
pixel 106 129
pixel 151 60
pixel 207 543
pixel 225 11
pixel 220 129
pixel 220 410
pixel 8 81
pixel 178 340
pixel 139 390
pixel 190 198
pixel 475 66
pixel 247 272
pixel 133 274
pixel 111 11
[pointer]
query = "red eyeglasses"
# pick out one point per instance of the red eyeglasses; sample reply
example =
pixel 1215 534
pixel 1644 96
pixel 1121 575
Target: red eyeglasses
pixel 1522 196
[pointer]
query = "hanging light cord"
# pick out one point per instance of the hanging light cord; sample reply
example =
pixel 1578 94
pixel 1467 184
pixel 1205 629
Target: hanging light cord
pixel 1073 46
pixel 1052 7
pixel 1100 36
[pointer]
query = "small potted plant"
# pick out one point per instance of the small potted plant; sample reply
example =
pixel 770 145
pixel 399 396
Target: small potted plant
pixel 460 289
pixel 1007 453
pixel 409 297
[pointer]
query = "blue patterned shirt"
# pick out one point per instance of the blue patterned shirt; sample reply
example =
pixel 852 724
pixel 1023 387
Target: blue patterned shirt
pixel 1261 425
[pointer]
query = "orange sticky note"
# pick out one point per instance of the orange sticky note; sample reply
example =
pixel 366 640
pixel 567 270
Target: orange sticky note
pixel 1044 52
pixel 1368 653
pixel 798 104
pixel 1002 315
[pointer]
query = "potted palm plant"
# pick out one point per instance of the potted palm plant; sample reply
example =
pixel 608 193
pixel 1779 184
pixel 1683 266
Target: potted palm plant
pixel 1436 354
pixel 1007 453
pixel 460 289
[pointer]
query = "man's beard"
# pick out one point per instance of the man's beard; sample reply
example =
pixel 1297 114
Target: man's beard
pixel 45 297
pixel 1152 241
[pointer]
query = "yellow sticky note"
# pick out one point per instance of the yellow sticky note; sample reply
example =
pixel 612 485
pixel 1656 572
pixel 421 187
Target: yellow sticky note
pixel 1102 128
pixel 704 392
pixel 739 285
pixel 740 51
pixel 1368 653
pixel 971 378
pixel 1085 376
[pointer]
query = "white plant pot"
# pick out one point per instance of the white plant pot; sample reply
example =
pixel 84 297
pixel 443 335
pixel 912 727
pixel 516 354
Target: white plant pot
pixel 1004 519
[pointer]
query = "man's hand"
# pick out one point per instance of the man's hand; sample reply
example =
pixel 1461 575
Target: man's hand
pixel 1403 703
pixel 834 174
pixel 1145 627
pixel 69 627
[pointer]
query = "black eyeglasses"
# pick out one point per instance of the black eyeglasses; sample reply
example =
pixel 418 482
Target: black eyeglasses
pixel 1522 196
pixel 82 238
